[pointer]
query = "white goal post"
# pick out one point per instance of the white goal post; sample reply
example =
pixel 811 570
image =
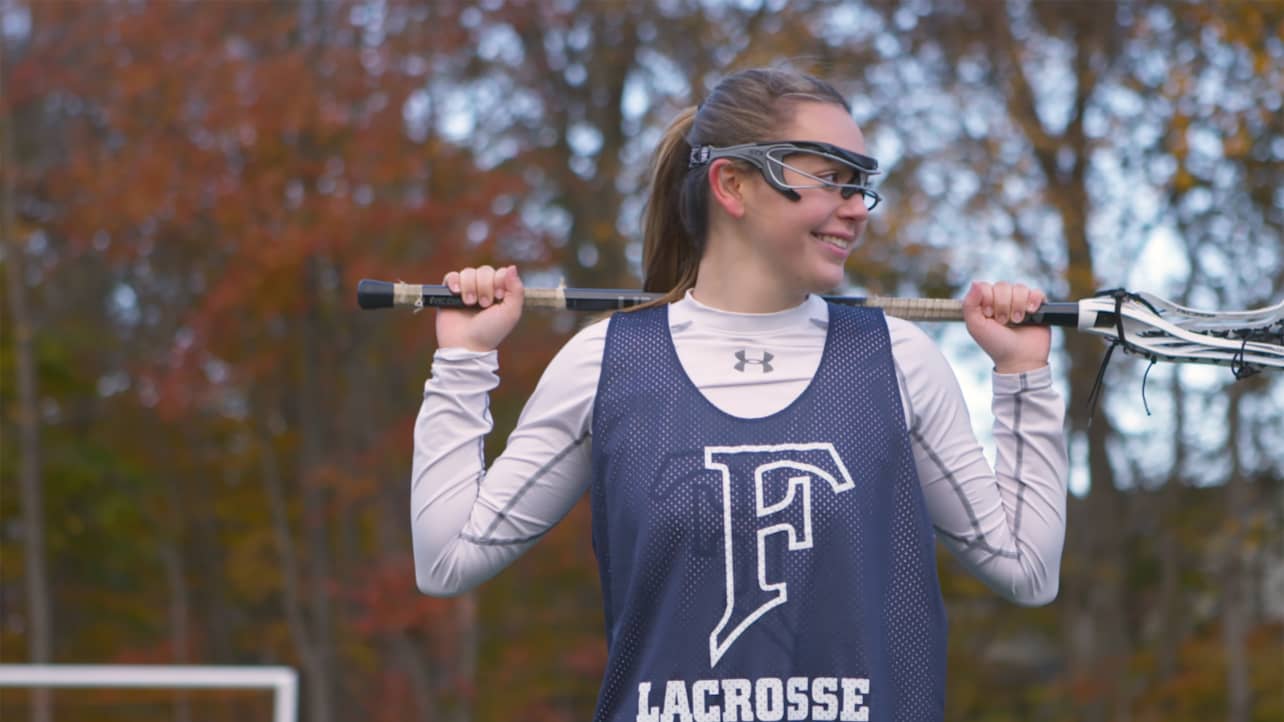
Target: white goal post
pixel 283 681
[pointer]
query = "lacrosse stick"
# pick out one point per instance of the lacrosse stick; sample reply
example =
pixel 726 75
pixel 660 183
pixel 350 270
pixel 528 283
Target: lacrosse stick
pixel 1140 323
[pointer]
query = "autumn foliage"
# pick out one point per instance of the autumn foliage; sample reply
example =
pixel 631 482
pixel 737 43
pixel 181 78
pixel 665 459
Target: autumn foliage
pixel 196 187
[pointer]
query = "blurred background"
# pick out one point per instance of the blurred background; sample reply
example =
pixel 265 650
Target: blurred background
pixel 206 446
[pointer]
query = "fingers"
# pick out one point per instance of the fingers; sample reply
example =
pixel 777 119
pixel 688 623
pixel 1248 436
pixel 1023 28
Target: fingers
pixel 484 285
pixel 1036 300
pixel 1004 302
pixel 1025 300
pixel 500 282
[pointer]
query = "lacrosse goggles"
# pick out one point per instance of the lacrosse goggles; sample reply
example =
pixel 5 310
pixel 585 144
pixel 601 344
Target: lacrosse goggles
pixel 846 171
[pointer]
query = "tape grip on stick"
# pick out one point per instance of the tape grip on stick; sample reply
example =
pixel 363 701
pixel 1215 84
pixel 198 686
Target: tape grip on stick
pixel 372 294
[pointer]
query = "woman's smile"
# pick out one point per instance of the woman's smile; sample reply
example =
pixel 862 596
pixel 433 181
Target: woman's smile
pixel 841 243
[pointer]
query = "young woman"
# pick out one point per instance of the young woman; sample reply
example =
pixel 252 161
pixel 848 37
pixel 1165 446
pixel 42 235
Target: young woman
pixel 768 473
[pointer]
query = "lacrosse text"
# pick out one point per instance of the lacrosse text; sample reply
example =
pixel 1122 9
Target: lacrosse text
pixel 768 699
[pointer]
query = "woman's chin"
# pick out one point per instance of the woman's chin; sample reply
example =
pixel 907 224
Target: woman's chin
pixel 827 282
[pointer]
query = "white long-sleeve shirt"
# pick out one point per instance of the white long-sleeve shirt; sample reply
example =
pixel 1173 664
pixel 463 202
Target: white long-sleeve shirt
pixel 469 522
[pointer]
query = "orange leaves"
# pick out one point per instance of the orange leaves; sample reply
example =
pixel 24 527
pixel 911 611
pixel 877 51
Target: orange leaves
pixel 389 603
pixel 239 165
pixel 1197 688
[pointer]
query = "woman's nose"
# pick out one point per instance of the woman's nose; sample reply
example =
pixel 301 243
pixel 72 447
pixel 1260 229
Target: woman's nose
pixel 854 208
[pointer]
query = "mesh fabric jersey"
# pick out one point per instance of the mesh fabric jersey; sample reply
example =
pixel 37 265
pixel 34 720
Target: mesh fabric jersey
pixel 773 568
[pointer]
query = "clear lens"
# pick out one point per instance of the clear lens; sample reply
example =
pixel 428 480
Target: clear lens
pixel 799 168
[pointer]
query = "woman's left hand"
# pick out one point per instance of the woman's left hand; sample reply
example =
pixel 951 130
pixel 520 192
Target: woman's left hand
pixel 989 308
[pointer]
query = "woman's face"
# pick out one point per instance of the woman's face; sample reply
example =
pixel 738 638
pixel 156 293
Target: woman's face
pixel 806 241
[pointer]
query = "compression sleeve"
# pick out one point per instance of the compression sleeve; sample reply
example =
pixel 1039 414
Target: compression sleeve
pixel 1007 528
pixel 467 522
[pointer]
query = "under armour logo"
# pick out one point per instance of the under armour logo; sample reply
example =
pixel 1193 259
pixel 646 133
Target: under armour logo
pixel 742 359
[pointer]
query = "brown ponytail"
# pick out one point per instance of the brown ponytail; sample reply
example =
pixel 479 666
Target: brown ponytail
pixel 747 107
pixel 668 249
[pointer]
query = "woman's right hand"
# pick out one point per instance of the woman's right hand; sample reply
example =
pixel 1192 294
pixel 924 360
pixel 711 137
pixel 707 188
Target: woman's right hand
pixel 498 296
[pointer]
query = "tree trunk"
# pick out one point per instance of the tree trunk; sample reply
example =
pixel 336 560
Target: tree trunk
pixel 1235 584
pixel 1169 623
pixel 209 552
pixel 412 662
pixel 1095 606
pixel 35 557
pixel 324 683
pixel 469 638
pixel 179 605
pixel 1097 540
pixel 316 500
pixel 595 214
pixel 291 583
pixel 393 542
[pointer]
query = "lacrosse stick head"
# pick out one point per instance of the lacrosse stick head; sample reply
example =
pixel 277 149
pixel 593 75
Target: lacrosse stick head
pixel 1146 325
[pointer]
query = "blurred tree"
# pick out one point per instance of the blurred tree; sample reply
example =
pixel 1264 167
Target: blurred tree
pixel 1057 137
pixel 197 187
pixel 257 141
pixel 35 559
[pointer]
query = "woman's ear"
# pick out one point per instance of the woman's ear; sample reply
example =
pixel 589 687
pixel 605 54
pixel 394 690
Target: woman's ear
pixel 728 186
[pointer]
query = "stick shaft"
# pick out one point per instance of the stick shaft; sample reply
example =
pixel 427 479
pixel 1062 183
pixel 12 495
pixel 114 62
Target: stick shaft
pixel 373 294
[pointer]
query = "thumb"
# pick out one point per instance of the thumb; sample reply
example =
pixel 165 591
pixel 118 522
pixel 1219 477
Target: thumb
pixel 512 281
pixel 514 293
pixel 512 287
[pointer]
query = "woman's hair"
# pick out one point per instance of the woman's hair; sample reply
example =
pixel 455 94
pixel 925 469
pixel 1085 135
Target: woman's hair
pixel 750 106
